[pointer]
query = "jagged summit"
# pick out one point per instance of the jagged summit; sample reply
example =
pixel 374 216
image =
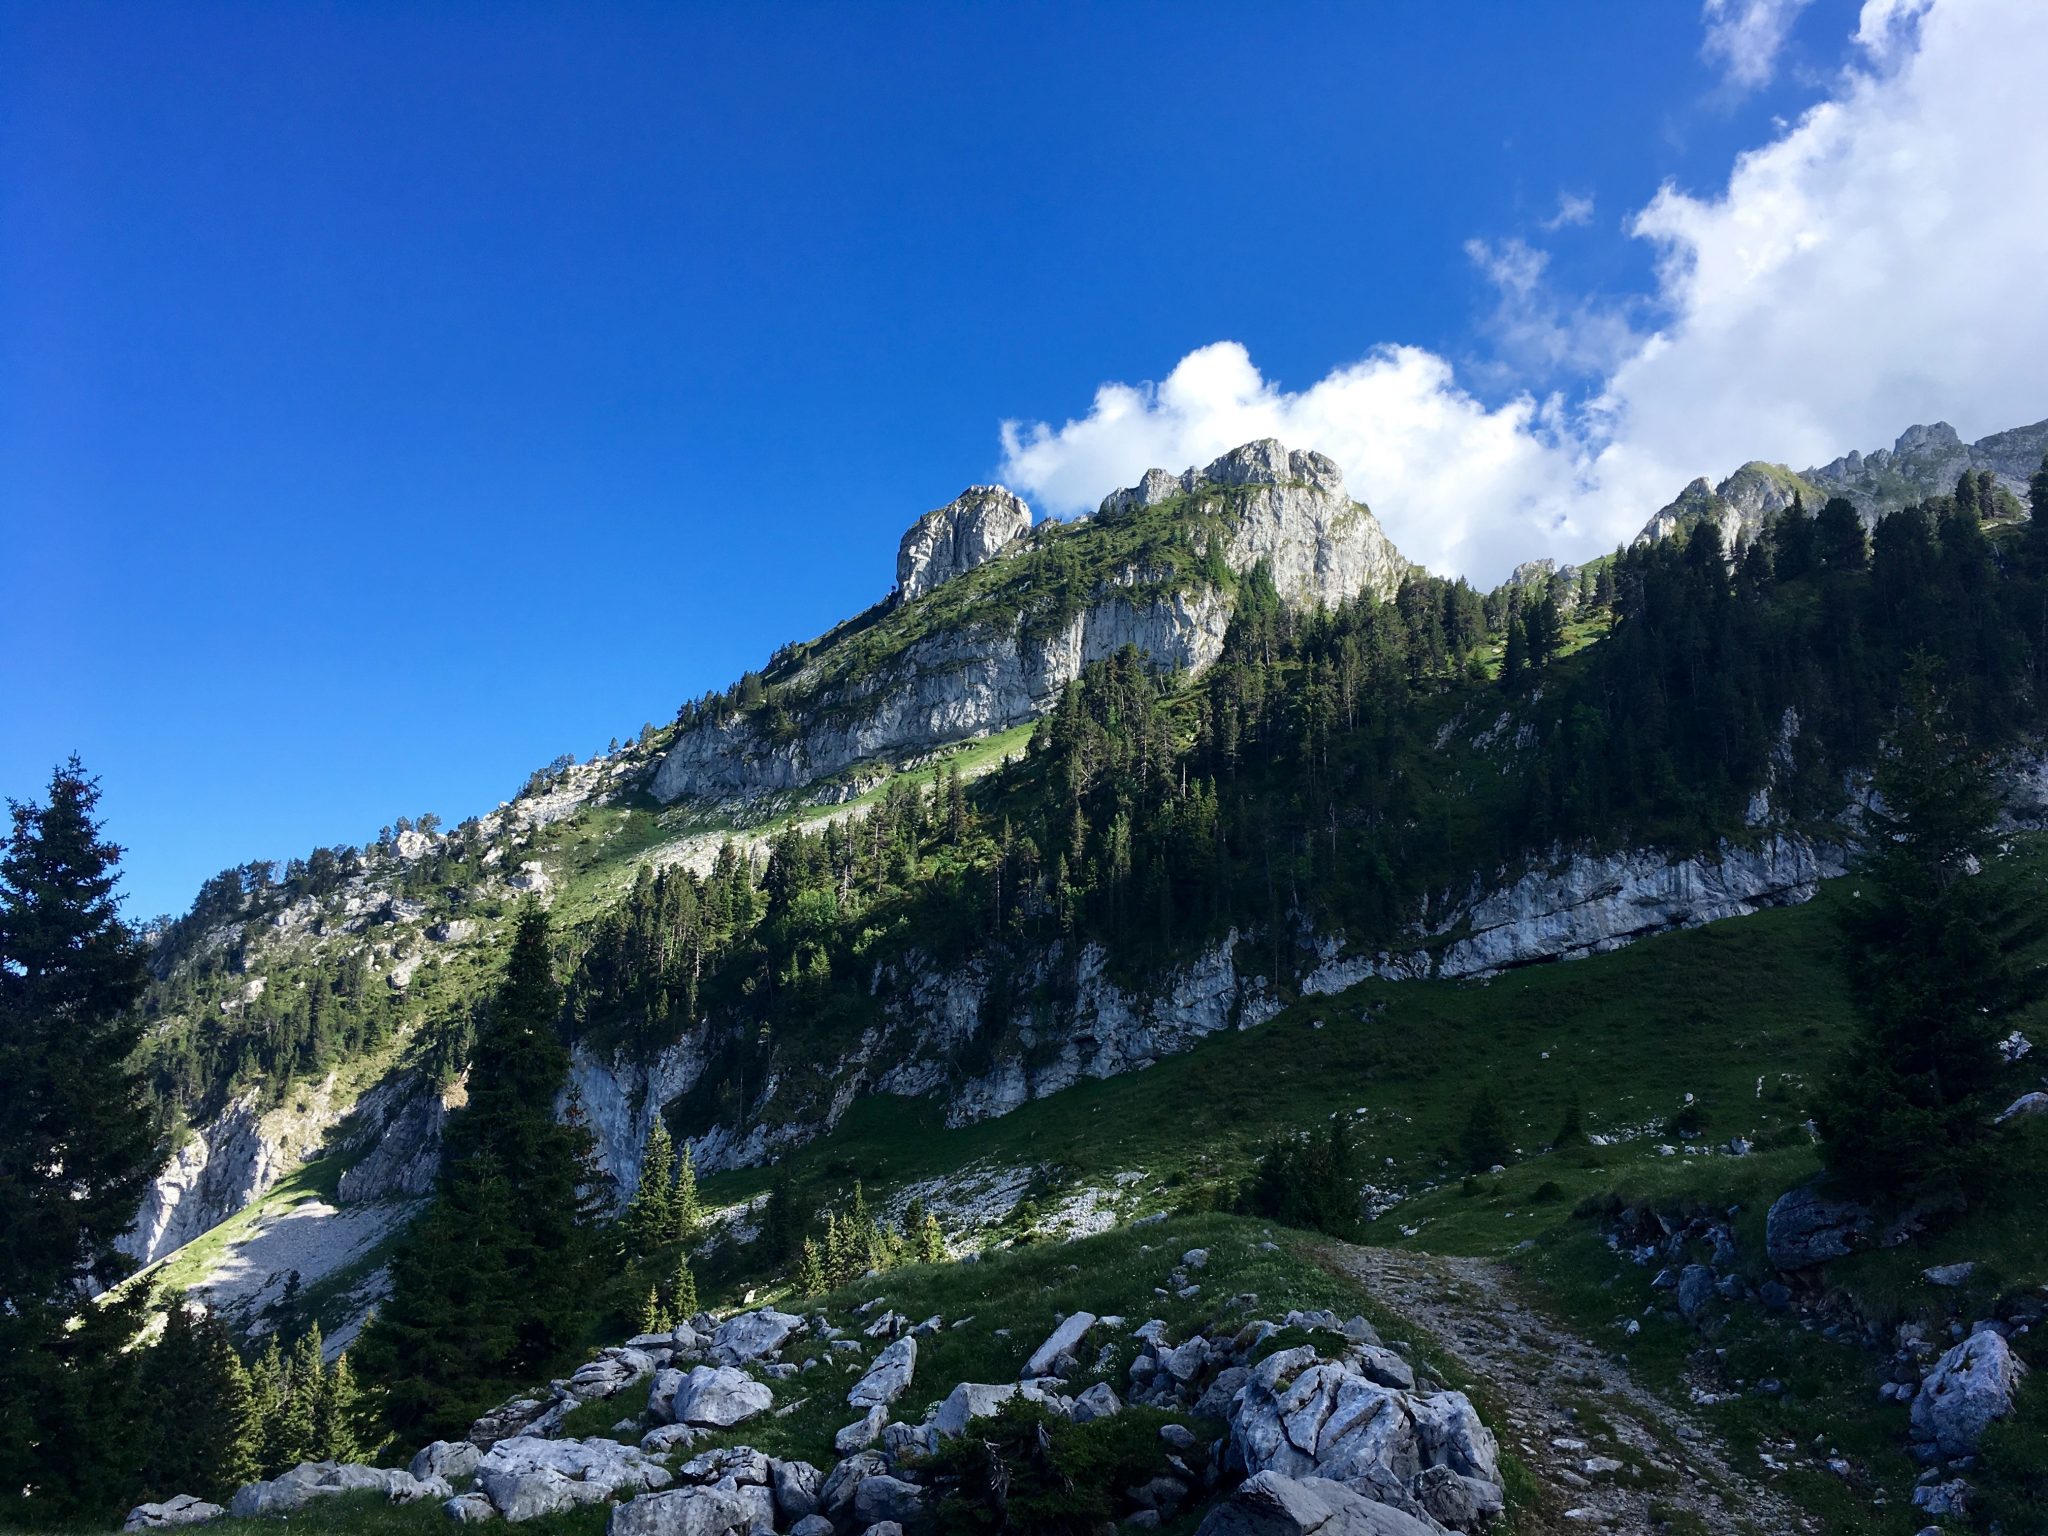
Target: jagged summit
pixel 1265 462
pixel 991 620
pixel 1925 461
pixel 981 523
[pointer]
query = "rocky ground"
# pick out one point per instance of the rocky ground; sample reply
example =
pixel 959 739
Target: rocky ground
pixel 1541 1374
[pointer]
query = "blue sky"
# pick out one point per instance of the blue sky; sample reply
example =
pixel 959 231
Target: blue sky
pixel 392 397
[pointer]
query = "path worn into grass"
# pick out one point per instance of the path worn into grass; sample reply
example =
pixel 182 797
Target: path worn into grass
pixel 1539 1372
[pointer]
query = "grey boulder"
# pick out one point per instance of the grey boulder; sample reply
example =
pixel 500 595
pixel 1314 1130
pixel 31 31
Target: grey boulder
pixel 681 1512
pixel 887 1498
pixel 888 1378
pixel 1269 1504
pixel 753 1336
pixel 526 1476
pixel 1969 1387
pixel 1061 1341
pixel 455 1461
pixel 1804 1229
pixel 309 1480
pixel 718 1397
pixel 182 1510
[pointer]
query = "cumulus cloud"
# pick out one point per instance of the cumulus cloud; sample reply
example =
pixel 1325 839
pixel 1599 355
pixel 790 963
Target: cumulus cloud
pixel 1877 263
pixel 1745 37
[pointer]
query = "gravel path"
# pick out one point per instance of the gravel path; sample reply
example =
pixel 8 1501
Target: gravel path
pixel 1542 1372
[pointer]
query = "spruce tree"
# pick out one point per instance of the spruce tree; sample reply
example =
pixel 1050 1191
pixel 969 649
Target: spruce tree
pixel 650 1215
pixel 654 1317
pixel 810 1272
pixel 77 1149
pixel 1486 1139
pixel 1940 941
pixel 198 1417
pixel 931 1241
pixel 686 1206
pixel 490 1286
pixel 682 1292
pixel 337 1413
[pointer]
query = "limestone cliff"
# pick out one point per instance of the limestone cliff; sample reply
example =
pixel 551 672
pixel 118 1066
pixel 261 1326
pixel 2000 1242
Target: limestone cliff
pixel 978 644
pixel 980 524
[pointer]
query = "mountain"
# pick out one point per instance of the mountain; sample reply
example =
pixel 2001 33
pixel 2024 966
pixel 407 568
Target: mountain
pixel 1104 857
pixel 992 618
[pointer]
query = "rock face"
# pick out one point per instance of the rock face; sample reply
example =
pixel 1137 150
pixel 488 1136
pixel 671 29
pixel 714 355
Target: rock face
pixel 971 678
pixel 1969 1387
pixel 224 1165
pixel 972 529
pixel 1925 461
pixel 402 1119
pixel 1739 506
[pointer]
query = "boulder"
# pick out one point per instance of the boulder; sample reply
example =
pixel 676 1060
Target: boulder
pixel 1098 1402
pixel 1695 1290
pixel 888 1378
pixel 610 1374
pixel 836 1494
pixel 516 1417
pixel 1269 1504
pixel 682 1512
pixel 861 1433
pixel 740 1465
pixel 796 1488
pixel 753 1336
pixel 718 1397
pixel 1062 1340
pixel 182 1510
pixel 887 1498
pixel 1379 1364
pixel 978 1399
pixel 812 1525
pixel 309 1480
pixel 1969 1387
pixel 469 1509
pixel 526 1476
pixel 664 1438
pixel 454 1461
pixel 2035 1103
pixel 1804 1229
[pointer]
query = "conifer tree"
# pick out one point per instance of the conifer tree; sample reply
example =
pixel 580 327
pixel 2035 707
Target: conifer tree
pixel 1486 1139
pixel 1941 943
pixel 682 1292
pixel 654 1317
pixel 810 1272
pixel 686 1207
pixel 77 1149
pixel 337 1413
pixel 931 1241
pixel 197 1415
pixel 650 1216
pixel 490 1286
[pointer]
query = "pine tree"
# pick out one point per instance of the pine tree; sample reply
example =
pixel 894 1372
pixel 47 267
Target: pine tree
pixel 1486 1139
pixel 77 1149
pixel 1939 943
pixel 650 1216
pixel 686 1207
pixel 682 1292
pixel 810 1272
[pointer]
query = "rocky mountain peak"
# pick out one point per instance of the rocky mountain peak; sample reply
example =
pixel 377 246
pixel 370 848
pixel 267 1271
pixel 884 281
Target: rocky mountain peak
pixel 975 527
pixel 1265 462
pixel 1937 437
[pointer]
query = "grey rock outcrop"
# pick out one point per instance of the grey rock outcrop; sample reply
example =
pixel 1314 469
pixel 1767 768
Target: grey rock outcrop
pixel 221 1167
pixel 1804 1228
pixel 1969 1387
pixel 753 1336
pixel 1269 1504
pixel 974 528
pixel 399 1133
pixel 1287 510
pixel 526 1477
pixel 702 1511
pixel 453 1461
pixel 718 1397
pixel 888 1378
pixel 1739 506
pixel 1925 461
pixel 182 1510
pixel 292 1491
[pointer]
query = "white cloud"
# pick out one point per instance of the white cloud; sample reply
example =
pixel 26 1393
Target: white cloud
pixel 1877 263
pixel 1572 208
pixel 1744 38
pixel 1539 334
